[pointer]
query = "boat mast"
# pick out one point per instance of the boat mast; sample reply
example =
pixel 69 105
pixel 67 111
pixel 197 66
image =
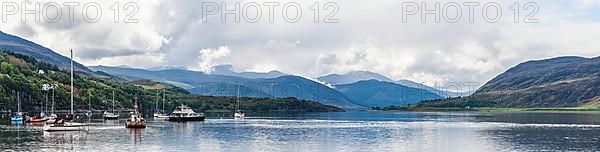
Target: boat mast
pixel 237 105
pixel 46 104
pixel 53 100
pixel 113 101
pixel 90 102
pixel 135 106
pixel 18 102
pixel 163 101
pixel 156 104
pixel 71 81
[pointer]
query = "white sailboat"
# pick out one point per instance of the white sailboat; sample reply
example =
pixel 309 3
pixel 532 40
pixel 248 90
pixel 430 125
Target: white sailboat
pixel 239 114
pixel 62 124
pixel 17 118
pixel 111 115
pixel 158 114
pixel 89 112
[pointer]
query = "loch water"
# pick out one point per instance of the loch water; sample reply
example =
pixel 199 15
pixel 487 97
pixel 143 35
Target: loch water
pixel 343 131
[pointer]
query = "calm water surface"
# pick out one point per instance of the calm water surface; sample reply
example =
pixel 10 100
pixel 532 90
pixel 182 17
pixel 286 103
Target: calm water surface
pixel 347 131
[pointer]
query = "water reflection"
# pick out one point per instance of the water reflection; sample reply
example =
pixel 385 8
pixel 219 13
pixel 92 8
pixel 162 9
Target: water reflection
pixel 358 131
pixel 65 137
pixel 136 135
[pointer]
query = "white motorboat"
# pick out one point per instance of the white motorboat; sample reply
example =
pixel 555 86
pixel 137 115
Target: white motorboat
pixel 184 113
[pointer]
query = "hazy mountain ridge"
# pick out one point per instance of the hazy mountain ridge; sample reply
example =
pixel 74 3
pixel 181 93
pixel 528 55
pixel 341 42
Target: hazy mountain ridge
pixel 222 85
pixel 228 71
pixel 381 93
pixel 356 76
pixel 352 77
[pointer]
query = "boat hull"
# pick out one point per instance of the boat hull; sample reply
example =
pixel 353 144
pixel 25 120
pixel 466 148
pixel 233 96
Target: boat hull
pixel 65 127
pixel 184 119
pixel 111 117
pixel 38 120
pixel 135 125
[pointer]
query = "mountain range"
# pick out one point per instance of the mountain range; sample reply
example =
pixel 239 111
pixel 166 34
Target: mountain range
pixel 222 85
pixel 22 46
pixel 224 81
pixel 356 76
pixel 381 93
pixel 556 82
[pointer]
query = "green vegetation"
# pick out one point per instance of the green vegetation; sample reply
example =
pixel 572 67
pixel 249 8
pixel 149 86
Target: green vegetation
pixel 391 108
pixel 290 104
pixel 476 104
pixel 457 102
pixel 22 74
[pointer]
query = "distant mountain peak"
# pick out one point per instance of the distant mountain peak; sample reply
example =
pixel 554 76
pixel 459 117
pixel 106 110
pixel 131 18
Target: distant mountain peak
pixel 352 77
pixel 227 70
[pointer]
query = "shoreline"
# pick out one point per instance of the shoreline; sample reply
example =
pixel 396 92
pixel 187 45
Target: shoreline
pixel 495 110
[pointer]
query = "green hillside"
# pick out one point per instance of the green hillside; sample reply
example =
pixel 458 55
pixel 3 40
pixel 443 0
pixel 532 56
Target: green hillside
pixel 19 73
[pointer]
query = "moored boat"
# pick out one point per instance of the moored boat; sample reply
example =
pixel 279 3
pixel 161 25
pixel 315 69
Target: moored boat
pixel 161 114
pixel 111 115
pixel 63 123
pixel 41 118
pixel 135 120
pixel 184 113
pixel 239 114
pixel 17 118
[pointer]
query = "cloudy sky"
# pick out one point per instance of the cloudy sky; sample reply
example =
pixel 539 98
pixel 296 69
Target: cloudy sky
pixel 369 35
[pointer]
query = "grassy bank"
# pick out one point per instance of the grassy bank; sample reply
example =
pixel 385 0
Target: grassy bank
pixel 492 109
pixel 488 109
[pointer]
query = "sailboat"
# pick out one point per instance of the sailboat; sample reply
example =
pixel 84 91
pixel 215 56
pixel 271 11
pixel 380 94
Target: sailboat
pixel 42 117
pixel 135 120
pixel 239 114
pixel 61 124
pixel 158 114
pixel 111 115
pixel 53 117
pixel 38 119
pixel 89 112
pixel 18 116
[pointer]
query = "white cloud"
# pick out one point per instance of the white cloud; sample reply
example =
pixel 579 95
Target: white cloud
pixel 370 36
pixel 208 56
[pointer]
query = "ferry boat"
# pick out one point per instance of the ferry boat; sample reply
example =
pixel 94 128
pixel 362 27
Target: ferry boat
pixel 136 119
pixel 184 113
pixel 111 115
